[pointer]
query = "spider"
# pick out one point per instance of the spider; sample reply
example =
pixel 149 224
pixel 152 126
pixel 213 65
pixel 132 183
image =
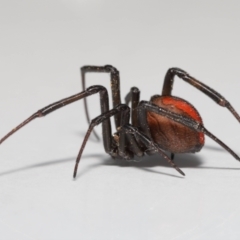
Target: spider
pixel 163 124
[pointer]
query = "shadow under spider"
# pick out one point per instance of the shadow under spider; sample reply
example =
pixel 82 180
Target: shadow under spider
pixel 47 163
pixel 182 161
pixel 214 148
pixel 146 162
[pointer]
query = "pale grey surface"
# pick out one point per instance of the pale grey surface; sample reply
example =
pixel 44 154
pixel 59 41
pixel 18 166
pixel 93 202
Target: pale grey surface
pixel 42 46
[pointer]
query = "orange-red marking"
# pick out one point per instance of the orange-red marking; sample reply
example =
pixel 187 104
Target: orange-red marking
pixel 185 107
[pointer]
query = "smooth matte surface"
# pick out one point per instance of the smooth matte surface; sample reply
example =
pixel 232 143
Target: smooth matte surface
pixel 42 46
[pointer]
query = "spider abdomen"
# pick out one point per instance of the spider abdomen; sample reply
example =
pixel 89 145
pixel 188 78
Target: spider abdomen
pixel 171 135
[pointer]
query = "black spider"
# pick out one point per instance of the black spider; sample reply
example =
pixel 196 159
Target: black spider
pixel 165 123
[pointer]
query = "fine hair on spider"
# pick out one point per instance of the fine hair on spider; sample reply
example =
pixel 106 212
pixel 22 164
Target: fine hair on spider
pixel 163 124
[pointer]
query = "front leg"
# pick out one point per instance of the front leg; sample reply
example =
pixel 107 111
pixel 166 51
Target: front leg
pixel 215 96
pixel 104 103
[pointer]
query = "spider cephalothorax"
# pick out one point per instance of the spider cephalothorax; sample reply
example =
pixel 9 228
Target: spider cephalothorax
pixel 163 124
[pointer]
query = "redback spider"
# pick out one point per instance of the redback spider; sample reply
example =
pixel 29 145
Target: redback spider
pixel 163 124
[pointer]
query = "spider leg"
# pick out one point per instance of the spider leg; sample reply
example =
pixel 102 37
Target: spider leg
pixel 128 145
pixel 56 105
pixel 145 106
pixel 124 111
pixel 150 145
pixel 215 96
pixel 133 96
pixel 115 86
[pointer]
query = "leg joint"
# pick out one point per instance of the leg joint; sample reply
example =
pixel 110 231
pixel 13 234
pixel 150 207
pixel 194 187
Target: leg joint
pixel 111 69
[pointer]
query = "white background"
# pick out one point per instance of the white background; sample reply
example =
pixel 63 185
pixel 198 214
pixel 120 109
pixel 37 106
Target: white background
pixel 42 45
